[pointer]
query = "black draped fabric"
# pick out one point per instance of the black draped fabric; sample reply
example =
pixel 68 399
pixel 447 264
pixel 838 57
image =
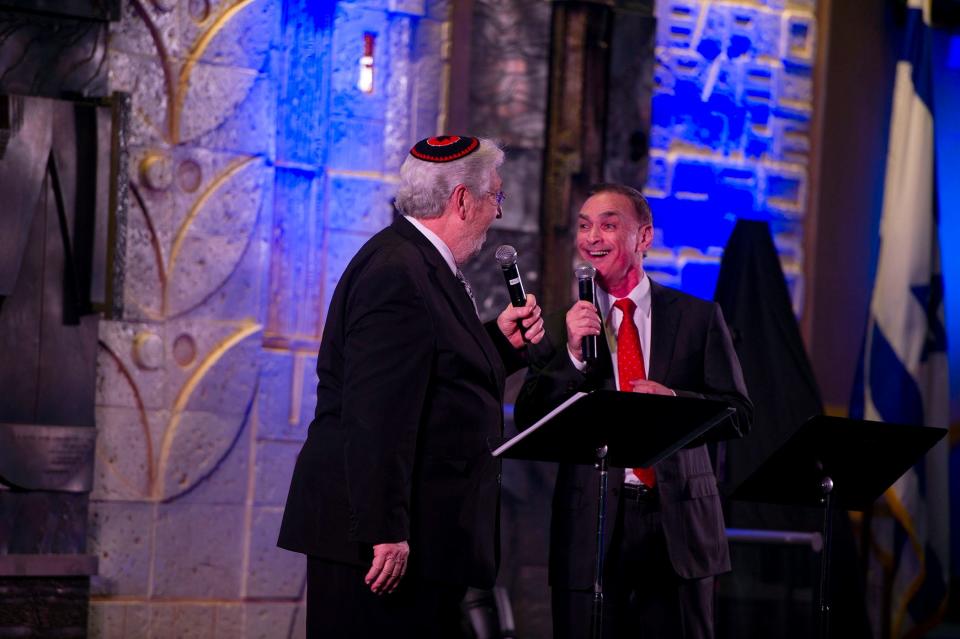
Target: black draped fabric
pixel 753 294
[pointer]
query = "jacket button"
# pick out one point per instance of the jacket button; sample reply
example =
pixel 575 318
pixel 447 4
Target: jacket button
pixel 499 478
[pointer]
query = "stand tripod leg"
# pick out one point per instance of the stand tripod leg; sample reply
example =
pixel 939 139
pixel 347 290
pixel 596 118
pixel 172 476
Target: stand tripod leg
pixel 597 620
pixel 824 597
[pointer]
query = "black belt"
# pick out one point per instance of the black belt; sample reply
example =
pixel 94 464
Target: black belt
pixel 638 493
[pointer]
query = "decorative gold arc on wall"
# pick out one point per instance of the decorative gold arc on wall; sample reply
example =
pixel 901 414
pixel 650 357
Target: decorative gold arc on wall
pixel 175 104
pixel 191 216
pixel 151 478
pixel 246 329
pixel 177 88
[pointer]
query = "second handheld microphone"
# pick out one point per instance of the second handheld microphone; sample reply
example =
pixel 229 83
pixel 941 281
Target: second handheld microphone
pixel 587 292
pixel 507 259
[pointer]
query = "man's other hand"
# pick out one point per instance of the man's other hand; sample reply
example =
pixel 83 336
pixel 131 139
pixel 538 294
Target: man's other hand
pixel 528 316
pixel 650 388
pixel 389 565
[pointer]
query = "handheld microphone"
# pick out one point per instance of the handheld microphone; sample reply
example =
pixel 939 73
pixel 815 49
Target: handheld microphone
pixel 585 288
pixel 507 259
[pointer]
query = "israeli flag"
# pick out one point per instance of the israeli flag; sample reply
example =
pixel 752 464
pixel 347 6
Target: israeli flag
pixel 905 363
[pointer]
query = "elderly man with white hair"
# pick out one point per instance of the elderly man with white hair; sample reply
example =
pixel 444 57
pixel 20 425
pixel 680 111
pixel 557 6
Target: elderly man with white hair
pixel 395 496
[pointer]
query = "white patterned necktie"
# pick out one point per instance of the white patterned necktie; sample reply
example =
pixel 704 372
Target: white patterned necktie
pixel 469 290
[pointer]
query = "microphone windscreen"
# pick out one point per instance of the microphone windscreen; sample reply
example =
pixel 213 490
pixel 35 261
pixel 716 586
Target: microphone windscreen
pixel 506 256
pixel 585 271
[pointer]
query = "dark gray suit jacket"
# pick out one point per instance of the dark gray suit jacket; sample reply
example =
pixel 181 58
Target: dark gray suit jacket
pixel 410 396
pixel 691 353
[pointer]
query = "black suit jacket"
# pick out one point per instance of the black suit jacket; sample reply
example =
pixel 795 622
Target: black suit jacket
pixel 410 394
pixel 691 353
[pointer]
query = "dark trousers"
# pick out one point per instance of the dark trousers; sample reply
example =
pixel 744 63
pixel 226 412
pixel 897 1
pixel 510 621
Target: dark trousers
pixel 643 596
pixel 341 606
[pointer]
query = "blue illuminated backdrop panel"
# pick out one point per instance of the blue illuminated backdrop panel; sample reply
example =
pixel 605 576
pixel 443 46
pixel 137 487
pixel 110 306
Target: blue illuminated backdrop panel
pixel 359 80
pixel 729 135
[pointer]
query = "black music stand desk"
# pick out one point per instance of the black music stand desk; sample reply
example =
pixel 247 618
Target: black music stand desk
pixel 613 428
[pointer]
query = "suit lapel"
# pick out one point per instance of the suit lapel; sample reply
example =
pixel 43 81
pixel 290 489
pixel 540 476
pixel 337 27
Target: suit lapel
pixel 665 317
pixel 442 278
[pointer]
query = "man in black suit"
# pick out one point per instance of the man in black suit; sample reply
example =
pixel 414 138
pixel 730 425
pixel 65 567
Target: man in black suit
pixel 395 496
pixel 667 541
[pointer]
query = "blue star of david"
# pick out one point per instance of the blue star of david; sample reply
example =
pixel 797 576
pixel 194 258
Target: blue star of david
pixel 930 297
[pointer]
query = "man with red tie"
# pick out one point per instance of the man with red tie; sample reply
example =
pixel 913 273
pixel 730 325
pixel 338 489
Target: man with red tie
pixel 667 541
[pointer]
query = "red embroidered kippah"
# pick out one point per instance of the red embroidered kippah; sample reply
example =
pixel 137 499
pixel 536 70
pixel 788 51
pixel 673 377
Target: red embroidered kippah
pixel 444 148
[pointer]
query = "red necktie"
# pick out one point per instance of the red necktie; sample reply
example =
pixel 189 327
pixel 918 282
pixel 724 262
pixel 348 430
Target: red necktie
pixel 630 365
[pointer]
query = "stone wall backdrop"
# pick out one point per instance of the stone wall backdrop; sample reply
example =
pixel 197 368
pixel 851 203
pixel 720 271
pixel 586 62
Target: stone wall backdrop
pixel 258 163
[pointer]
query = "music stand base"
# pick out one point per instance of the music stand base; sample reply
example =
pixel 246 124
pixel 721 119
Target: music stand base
pixel 597 621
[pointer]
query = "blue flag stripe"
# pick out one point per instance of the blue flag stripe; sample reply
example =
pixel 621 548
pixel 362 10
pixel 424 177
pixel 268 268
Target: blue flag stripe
pixel 916 51
pixel 894 391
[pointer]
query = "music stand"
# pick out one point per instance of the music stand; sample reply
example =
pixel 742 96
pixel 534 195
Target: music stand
pixel 835 461
pixel 613 428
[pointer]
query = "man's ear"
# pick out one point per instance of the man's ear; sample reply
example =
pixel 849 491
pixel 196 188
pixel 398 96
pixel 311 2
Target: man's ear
pixel 459 196
pixel 645 238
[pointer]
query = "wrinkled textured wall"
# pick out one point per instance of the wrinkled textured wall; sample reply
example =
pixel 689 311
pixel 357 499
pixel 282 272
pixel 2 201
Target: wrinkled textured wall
pixel 509 46
pixel 509 50
pixel 257 168
pixel 730 134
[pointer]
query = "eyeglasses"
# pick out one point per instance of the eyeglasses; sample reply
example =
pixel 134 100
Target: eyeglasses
pixel 498 197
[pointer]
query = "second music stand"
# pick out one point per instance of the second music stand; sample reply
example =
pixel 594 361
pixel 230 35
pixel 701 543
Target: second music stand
pixel 835 462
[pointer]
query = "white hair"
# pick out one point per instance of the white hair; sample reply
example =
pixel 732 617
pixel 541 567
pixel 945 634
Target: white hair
pixel 425 187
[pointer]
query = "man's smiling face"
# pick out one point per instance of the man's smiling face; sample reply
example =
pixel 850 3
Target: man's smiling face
pixel 610 237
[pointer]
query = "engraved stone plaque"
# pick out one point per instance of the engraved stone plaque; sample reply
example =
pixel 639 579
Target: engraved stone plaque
pixel 39 457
